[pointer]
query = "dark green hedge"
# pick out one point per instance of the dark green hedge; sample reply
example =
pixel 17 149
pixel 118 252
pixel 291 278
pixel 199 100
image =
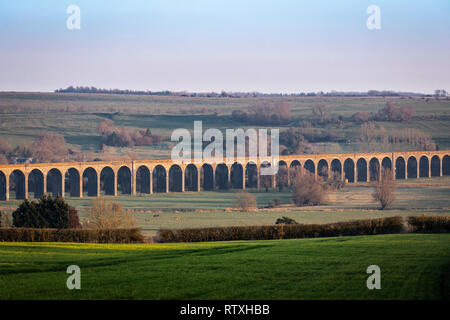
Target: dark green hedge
pixel 435 224
pixel 71 235
pixel 282 231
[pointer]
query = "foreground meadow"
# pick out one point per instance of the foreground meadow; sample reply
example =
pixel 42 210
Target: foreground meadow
pixel 413 266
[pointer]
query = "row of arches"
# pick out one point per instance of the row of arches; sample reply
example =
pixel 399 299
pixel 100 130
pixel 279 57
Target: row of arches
pixel 90 182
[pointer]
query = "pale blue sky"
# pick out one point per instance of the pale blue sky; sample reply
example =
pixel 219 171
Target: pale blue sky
pixel 208 45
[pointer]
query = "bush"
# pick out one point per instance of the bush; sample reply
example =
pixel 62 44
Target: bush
pixel 286 220
pixel 424 223
pixel 72 235
pixel 245 201
pixel 47 212
pixel 306 190
pixel 5 220
pixel 284 231
pixel 108 215
pixel 274 203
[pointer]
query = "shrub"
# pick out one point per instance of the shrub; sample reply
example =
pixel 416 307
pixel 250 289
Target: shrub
pixel 286 220
pixel 72 235
pixel 384 189
pixel 245 201
pixel 47 212
pixel 5 220
pixel 108 215
pixel 306 190
pixel 284 231
pixel 274 203
pixel 424 223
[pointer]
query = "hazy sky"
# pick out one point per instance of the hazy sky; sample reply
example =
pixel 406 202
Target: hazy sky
pixel 232 45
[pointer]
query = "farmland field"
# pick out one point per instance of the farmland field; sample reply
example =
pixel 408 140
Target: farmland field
pixel 413 266
pixel 76 116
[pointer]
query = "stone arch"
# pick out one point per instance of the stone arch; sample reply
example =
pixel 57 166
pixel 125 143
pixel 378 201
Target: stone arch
pixel 424 167
pixel 143 180
pixel 2 186
pixel 107 181
pixel 322 168
pixel 54 182
pixel 361 166
pixel 435 166
pixel 265 180
pixel 222 176
pixel 446 165
pixel 400 168
pixel 124 180
pixel 72 182
pixel 282 175
pixel 349 170
pixel 17 184
pixel 251 175
pixel 90 182
pixel 336 169
pixel 175 178
pixel 36 183
pixel 159 177
pixel 374 169
pixel 207 177
pixel 293 169
pixel 310 166
pixel 386 163
pixel 237 176
pixel 412 167
pixel 191 178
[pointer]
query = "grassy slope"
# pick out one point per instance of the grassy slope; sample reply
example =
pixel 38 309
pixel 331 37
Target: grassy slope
pixel 412 267
pixel 153 112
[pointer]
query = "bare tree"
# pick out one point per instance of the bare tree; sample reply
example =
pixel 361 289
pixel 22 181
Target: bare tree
pixel 384 189
pixel 108 215
pixel 245 201
pixel 306 190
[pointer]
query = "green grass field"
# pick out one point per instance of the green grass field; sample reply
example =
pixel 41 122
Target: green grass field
pixel 413 266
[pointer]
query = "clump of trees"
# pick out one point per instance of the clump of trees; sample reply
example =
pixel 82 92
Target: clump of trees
pixel 370 134
pixel 245 201
pixel 264 113
pixel 47 147
pixel 384 189
pixel 108 215
pixel 47 212
pixel 392 113
pixel 389 113
pixel 123 137
pixel 292 141
pixel 307 190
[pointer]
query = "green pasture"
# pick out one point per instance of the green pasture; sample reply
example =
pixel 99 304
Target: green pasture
pixel 413 266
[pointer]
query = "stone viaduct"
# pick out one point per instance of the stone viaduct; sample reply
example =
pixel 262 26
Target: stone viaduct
pixel 79 179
